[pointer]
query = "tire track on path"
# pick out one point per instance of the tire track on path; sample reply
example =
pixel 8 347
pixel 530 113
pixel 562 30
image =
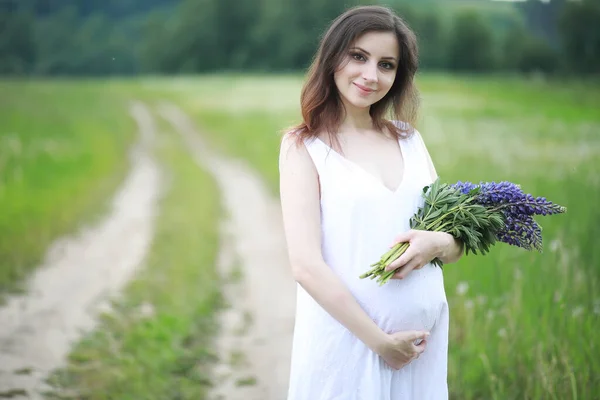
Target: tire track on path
pixel 252 234
pixel 79 276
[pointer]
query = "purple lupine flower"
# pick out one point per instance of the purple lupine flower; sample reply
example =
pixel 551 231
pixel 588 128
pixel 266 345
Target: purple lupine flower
pixel 517 209
pixel 525 233
pixel 509 195
pixel 464 187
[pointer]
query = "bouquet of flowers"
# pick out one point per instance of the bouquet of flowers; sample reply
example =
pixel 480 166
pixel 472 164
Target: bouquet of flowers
pixel 478 215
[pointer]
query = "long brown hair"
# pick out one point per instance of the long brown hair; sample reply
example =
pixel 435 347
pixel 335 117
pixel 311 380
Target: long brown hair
pixel 320 102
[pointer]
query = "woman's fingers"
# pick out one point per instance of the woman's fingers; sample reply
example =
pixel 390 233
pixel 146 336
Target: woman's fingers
pixel 419 349
pixel 404 259
pixel 406 269
pixel 421 346
pixel 400 262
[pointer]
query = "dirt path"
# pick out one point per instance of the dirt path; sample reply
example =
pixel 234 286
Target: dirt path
pixel 255 341
pixel 79 275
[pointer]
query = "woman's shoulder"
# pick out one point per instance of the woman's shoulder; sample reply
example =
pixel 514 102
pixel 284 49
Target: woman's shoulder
pixel 300 138
pixel 293 148
pixel 290 141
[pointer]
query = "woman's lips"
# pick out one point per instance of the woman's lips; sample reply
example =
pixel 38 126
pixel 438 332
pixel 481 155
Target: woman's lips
pixel 363 89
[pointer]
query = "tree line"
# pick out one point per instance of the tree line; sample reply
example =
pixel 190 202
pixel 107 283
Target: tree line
pixel 125 37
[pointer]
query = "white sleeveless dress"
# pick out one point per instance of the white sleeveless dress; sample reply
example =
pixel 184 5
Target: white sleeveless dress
pixel 359 219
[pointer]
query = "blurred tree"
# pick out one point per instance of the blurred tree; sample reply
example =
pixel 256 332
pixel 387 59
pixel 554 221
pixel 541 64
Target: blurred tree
pixel 97 37
pixel 110 8
pixel 431 36
pixel 471 44
pixel 91 47
pixel 54 38
pixel 85 37
pixel 579 25
pixel 538 56
pixel 287 33
pixel 17 47
pixel 511 47
pixel 522 51
pixel 409 14
pixel 202 35
pixel 541 18
pixel 156 52
pixel 196 38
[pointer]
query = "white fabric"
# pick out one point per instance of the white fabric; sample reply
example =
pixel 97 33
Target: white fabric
pixel 360 218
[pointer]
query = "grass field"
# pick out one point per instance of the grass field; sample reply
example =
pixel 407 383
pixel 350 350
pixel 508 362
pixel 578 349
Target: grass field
pixel 523 325
pixel 62 154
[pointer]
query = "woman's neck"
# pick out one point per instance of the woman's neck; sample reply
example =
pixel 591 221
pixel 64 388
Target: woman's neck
pixel 356 120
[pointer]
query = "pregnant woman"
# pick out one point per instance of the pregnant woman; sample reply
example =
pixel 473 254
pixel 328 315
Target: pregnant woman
pixel 350 180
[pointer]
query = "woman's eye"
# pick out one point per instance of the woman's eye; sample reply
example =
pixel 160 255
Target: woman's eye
pixel 358 57
pixel 387 65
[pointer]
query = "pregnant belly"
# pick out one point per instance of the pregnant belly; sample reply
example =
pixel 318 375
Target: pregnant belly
pixel 414 302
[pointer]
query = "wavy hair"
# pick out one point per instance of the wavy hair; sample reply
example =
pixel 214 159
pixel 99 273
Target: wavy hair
pixel 322 109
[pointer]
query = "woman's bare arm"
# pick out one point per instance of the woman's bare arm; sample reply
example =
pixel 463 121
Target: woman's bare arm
pixel 299 191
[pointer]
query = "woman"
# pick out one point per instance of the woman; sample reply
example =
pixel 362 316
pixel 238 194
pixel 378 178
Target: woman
pixel 350 181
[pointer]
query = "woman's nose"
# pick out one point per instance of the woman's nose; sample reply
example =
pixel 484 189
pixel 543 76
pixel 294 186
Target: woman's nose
pixel 370 72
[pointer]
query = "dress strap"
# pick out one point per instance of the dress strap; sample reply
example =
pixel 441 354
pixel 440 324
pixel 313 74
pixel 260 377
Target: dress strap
pixel 318 153
pixel 416 151
pixel 419 149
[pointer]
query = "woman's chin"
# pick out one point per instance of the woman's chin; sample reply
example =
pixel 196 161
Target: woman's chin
pixel 361 103
pixel 357 101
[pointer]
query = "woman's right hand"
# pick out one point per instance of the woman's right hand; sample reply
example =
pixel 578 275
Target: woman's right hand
pixel 400 349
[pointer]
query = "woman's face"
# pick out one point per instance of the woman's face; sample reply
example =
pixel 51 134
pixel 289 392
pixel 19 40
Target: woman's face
pixel 368 70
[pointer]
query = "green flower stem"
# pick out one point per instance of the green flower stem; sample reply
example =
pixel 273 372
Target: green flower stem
pixel 396 251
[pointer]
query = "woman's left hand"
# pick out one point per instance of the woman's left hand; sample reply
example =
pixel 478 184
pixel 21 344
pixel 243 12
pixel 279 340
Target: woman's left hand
pixel 424 247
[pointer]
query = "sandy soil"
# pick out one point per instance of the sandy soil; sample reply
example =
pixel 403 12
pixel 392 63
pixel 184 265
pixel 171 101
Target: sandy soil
pixel 78 277
pixel 255 341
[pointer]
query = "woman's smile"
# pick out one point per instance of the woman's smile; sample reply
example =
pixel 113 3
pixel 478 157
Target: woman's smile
pixel 363 90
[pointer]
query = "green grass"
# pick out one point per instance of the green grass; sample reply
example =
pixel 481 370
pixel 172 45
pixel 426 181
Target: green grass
pixel 62 155
pixel 527 325
pixel 165 354
pixel 523 325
